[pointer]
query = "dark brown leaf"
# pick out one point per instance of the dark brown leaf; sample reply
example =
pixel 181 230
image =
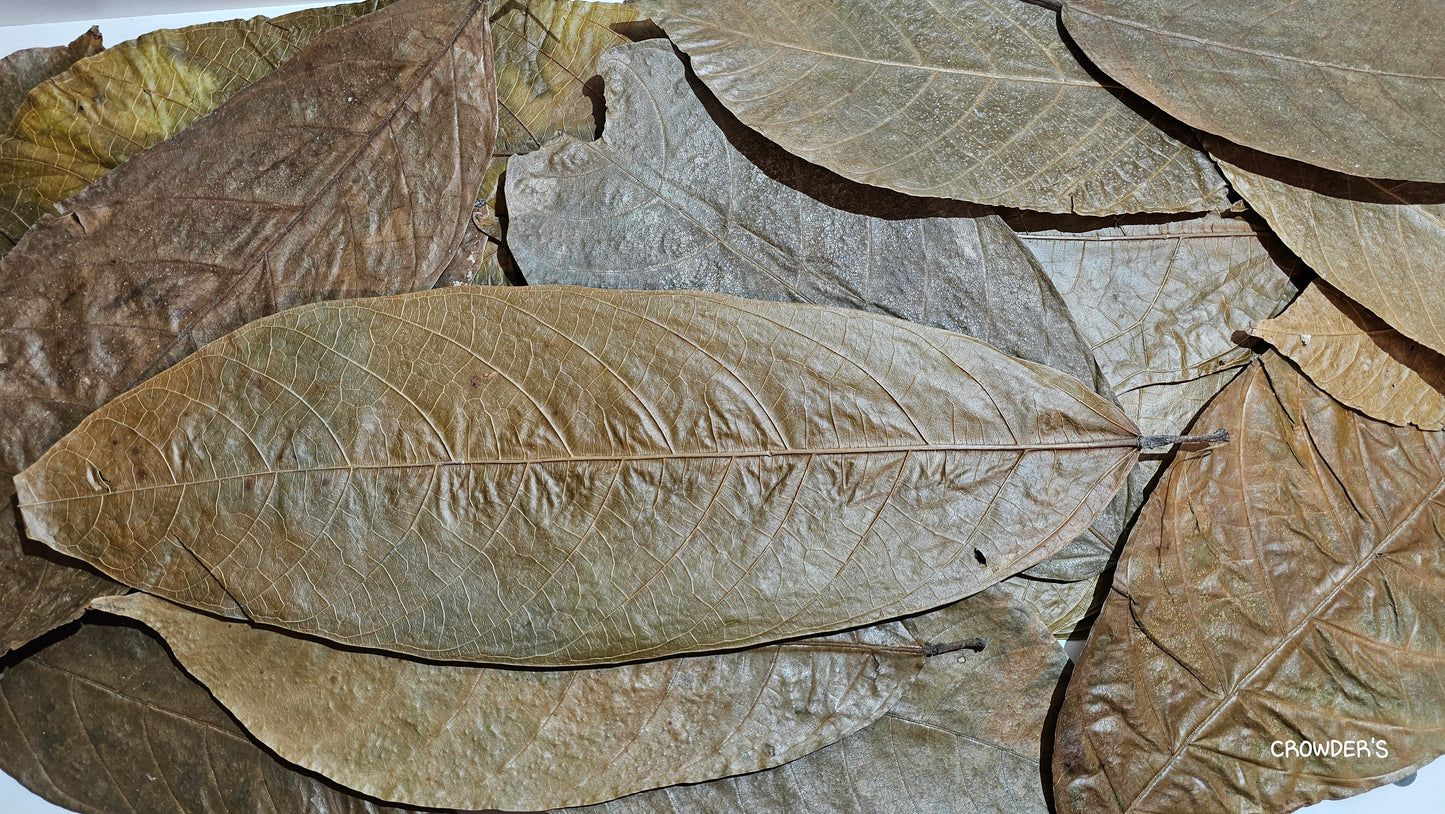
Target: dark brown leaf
pixel 341 174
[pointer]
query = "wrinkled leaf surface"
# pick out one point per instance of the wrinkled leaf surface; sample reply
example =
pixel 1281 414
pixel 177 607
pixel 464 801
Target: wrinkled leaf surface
pixel 1351 85
pixel 1381 243
pixel 104 110
pixel 479 737
pixel 964 737
pixel 339 174
pixel 103 721
pixel 678 195
pixel 550 475
pixel 954 98
pixel 1279 588
pixel 1355 357
pixel 23 70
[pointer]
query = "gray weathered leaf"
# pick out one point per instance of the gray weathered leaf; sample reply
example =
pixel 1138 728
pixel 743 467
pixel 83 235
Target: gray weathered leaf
pixel 479 737
pixel 23 70
pixel 549 475
pixel 961 99
pixel 1351 85
pixel 103 721
pixel 1381 243
pixel 964 738
pixel 339 174
pixel 678 195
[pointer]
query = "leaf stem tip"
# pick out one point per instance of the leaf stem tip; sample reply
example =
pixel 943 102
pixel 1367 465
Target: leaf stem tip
pixel 1151 441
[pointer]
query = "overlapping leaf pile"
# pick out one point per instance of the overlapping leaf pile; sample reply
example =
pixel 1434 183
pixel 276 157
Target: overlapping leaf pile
pixel 835 364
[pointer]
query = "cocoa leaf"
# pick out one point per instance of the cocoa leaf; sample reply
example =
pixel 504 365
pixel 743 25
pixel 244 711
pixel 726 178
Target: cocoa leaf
pixel 103 721
pixel 554 476
pixel 1275 590
pixel 23 70
pixel 1381 243
pixel 725 210
pixel 1350 85
pixel 1355 357
pixel 321 180
pixel 99 113
pixel 478 737
pixel 955 98
pixel 964 737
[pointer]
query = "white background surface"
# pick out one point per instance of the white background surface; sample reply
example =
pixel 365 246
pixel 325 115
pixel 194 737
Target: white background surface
pixel 31 23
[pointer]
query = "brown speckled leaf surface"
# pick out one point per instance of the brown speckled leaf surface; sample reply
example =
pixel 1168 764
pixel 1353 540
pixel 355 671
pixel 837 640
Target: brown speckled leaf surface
pixel 960 99
pixel 23 70
pixel 103 721
pixel 678 195
pixel 549 475
pixel 134 95
pixel 1280 587
pixel 1381 243
pixel 1356 86
pixel 479 737
pixel 1355 357
pixel 964 737
pixel 339 174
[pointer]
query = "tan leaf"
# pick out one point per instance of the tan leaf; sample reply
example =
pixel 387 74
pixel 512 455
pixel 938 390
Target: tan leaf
pixel 954 98
pixel 23 70
pixel 1274 590
pixel 547 53
pixel 964 737
pixel 478 737
pixel 1352 355
pixel 1065 608
pixel 548 475
pixel 723 209
pixel 1162 302
pixel 103 721
pixel 322 180
pixel 88 120
pixel 1350 85
pixel 1381 243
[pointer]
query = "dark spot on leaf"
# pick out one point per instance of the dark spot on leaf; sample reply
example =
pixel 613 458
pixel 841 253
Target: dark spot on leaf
pixel 978 555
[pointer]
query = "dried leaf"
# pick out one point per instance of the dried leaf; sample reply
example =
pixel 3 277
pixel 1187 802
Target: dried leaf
pixel 102 111
pixel 725 210
pixel 102 721
pixel 1065 608
pixel 964 737
pixel 1280 589
pixel 339 174
pixel 23 70
pixel 478 737
pixel 1381 243
pixel 1350 85
pixel 1161 302
pixel 1352 355
pixel 546 55
pixel 955 99
pixel 557 476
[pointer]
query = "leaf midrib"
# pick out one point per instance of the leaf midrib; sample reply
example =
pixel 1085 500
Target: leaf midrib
pixel 1123 442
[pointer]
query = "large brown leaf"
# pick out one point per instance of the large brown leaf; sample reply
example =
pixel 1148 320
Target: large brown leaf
pixel 1285 588
pixel 480 737
pixel 23 70
pixel 1350 354
pixel 93 117
pixel 339 174
pixel 678 195
pixel 1381 243
pixel 103 721
pixel 548 475
pixel 964 737
pixel 1352 85
pixel 958 99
